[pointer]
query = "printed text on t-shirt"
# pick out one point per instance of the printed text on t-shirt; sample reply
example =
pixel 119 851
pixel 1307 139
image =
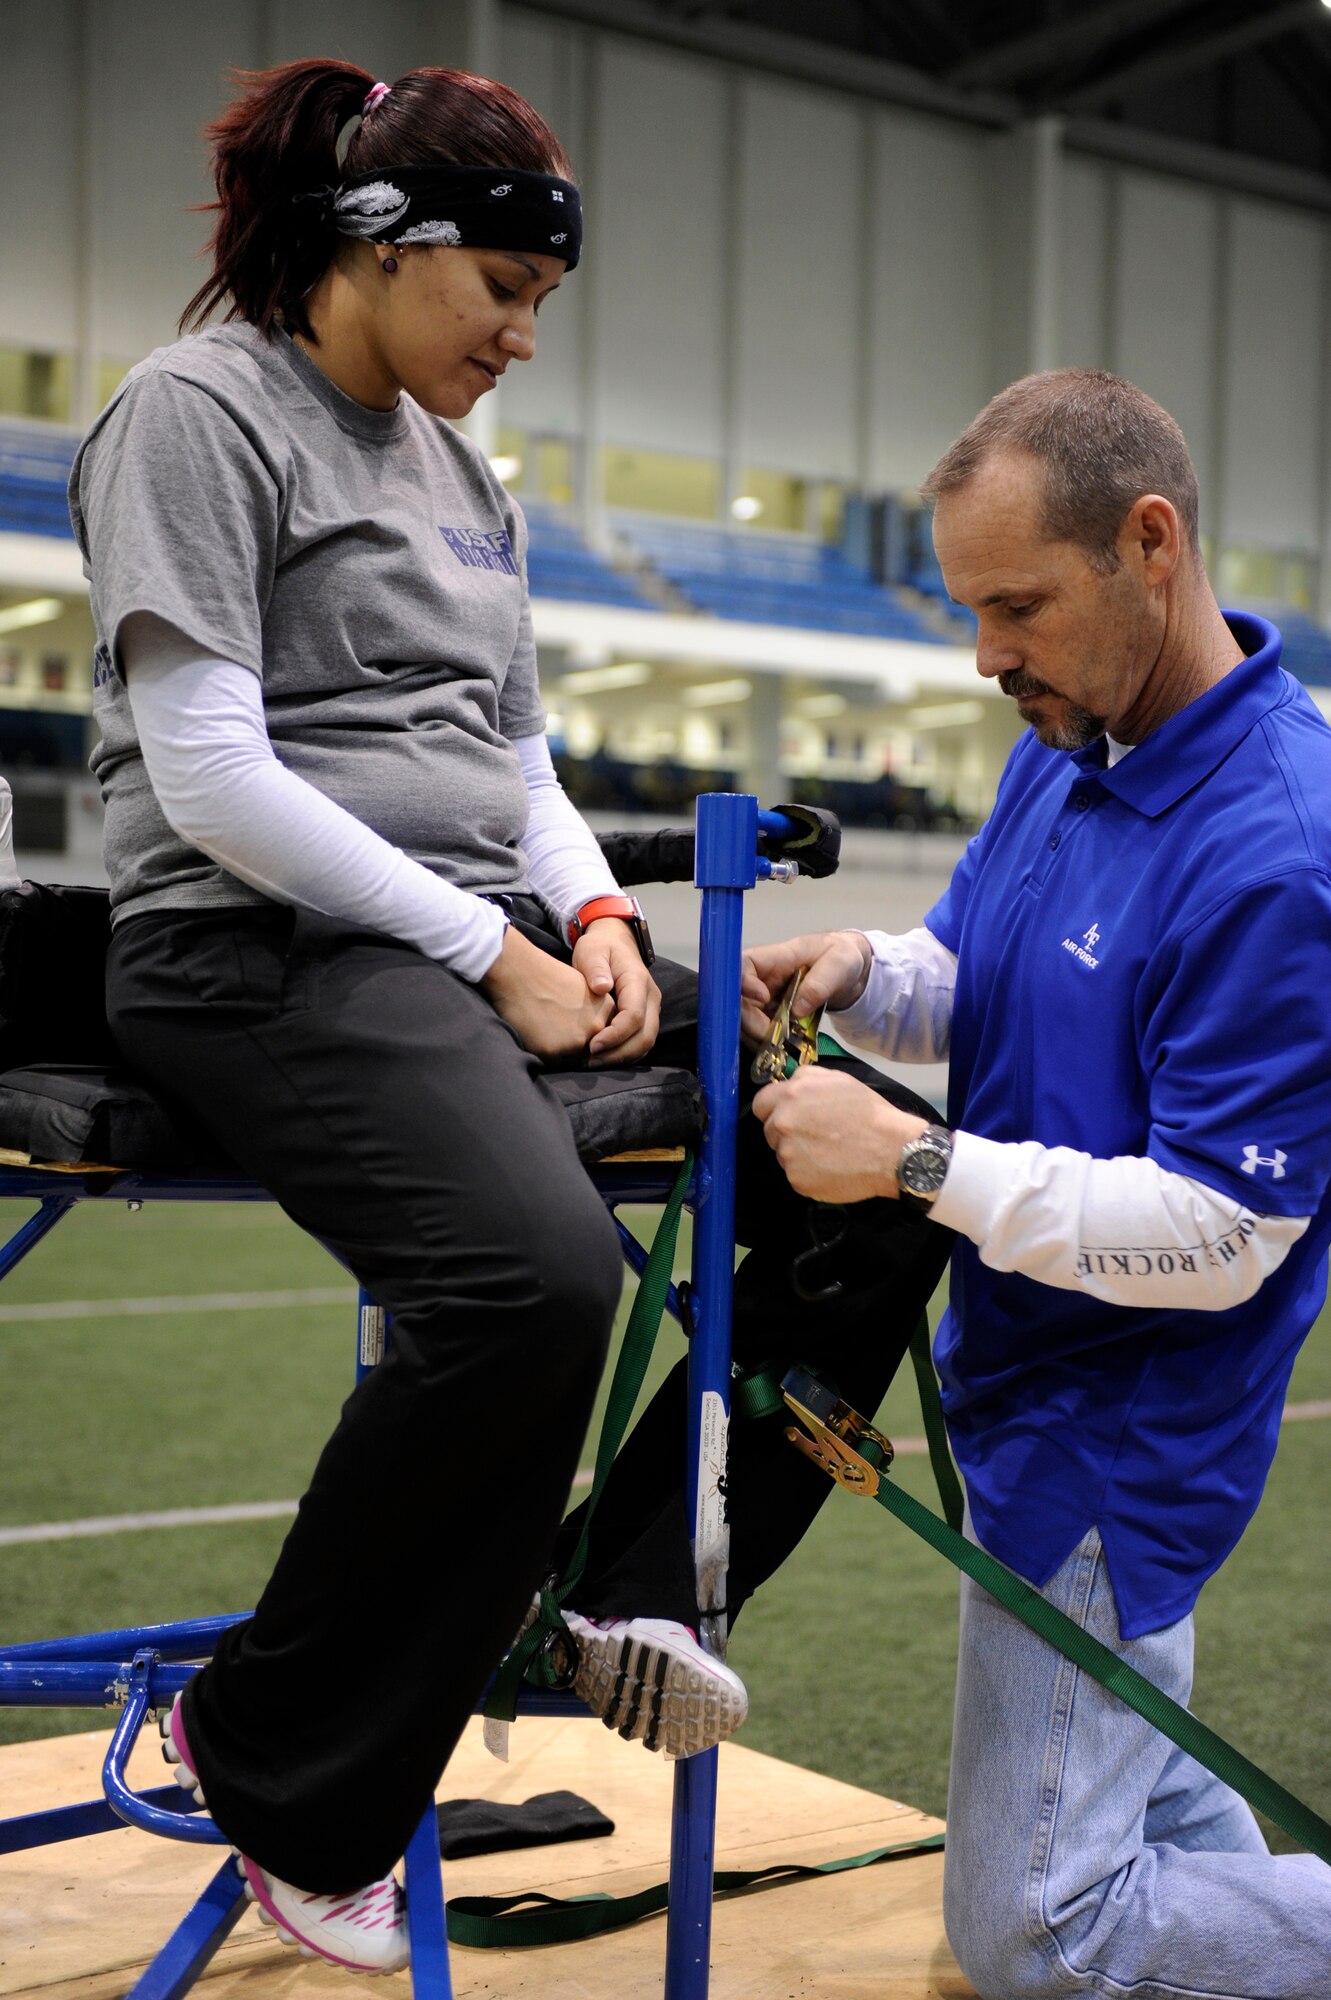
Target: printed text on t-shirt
pixel 481 548
pixel 1144 1262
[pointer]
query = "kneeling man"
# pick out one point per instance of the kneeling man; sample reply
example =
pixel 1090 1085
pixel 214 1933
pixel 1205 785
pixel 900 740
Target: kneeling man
pixel 1130 974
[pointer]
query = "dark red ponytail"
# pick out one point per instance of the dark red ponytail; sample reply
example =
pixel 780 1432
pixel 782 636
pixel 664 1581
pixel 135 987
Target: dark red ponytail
pixel 277 142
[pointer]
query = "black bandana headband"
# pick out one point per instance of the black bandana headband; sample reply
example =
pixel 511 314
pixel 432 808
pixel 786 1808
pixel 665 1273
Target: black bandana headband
pixel 483 208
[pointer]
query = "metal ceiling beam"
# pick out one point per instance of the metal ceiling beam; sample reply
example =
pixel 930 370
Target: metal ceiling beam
pixel 1239 173
pixel 891 83
pixel 1010 63
pixel 783 54
pixel 1181 57
pixel 940 18
pixel 1308 89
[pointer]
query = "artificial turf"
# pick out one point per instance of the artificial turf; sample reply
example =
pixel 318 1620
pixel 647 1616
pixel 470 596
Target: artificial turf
pixel 848 1653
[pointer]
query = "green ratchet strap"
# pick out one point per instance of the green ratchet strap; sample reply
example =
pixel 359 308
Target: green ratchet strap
pixel 1104 1666
pixel 535 1647
pixel 935 1430
pixel 531 1918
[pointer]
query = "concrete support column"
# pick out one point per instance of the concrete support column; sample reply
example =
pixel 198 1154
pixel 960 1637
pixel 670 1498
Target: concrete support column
pixel 1027 194
pixel 466 36
pixel 1322 601
pixel 732 334
pixel 593 281
pixel 1215 495
pixel 761 770
pixel 91 128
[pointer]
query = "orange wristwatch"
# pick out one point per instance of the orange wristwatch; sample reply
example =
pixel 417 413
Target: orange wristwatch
pixel 627 908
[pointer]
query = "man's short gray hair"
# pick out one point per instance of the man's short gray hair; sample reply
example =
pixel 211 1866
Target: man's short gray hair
pixel 1102 443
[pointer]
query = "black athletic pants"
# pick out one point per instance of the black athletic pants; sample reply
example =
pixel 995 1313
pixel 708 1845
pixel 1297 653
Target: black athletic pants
pixel 390 1112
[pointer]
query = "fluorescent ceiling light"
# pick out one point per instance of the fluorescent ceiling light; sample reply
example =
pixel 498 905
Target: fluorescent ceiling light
pixel 37 611
pixel 819 707
pixel 747 507
pixel 506 467
pixel 600 680
pixel 949 715
pixel 715 694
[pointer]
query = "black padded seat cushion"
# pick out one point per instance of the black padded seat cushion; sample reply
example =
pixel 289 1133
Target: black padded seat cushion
pixel 629 1110
pixel 65 1098
pixel 61 1116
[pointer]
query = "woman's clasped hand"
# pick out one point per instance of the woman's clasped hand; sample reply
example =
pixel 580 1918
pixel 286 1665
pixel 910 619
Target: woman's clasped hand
pixel 605 1003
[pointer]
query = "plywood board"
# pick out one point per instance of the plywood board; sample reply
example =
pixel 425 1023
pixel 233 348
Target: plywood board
pixel 81 1920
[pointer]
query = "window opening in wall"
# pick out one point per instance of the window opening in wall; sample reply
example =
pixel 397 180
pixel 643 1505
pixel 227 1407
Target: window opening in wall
pixel 661 482
pixel 1269 576
pixel 782 500
pixel 831 511
pixel 34 383
pixel 111 372
pixel 535 467
pixel 554 471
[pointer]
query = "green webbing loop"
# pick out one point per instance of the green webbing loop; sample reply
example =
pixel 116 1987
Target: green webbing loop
pixel 756 1391
pixel 531 1918
pixel 634 1355
pixel 935 1430
pixel 1132 1688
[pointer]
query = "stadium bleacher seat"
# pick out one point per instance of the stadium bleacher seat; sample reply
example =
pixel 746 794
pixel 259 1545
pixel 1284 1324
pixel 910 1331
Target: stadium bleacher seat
pixel 560 564
pixel 34 473
pixel 770 579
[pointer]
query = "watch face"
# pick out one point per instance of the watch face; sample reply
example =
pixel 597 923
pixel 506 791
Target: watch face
pixel 924 1164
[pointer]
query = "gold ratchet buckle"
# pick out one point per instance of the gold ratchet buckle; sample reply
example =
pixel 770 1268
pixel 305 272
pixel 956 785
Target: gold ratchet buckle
pixel 836 1437
pixel 791 1040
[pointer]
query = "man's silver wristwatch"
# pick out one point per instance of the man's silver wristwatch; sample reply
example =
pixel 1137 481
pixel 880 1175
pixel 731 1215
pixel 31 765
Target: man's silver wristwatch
pixel 922 1167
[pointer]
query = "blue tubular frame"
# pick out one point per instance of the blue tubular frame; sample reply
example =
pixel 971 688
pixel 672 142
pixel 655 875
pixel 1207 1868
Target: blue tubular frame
pixel 142 1668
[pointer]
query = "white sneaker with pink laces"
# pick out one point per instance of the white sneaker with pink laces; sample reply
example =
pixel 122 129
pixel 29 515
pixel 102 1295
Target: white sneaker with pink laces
pixel 364 1930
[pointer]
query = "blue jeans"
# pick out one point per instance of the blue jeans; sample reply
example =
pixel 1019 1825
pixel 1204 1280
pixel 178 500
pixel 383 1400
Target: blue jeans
pixel 1085 1854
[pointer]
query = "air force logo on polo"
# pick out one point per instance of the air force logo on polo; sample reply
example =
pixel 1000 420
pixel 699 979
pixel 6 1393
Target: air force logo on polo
pixel 1084 953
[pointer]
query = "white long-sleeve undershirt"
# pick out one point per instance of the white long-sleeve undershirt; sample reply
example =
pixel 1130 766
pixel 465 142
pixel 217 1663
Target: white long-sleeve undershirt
pixel 219 783
pixel 1125 1230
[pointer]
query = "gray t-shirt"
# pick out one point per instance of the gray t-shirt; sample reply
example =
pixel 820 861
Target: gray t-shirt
pixel 366 565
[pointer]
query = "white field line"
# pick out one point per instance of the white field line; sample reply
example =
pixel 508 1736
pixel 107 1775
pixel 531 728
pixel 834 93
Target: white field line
pixel 269 1510
pixel 169 1517
pixel 272 1510
pixel 204 1302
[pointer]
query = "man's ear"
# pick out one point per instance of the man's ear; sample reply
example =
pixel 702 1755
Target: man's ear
pixel 1153 537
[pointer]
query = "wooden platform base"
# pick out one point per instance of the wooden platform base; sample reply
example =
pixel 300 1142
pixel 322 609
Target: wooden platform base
pixel 80 1921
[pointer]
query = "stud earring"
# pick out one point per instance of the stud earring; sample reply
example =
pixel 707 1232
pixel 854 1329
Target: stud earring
pixel 390 263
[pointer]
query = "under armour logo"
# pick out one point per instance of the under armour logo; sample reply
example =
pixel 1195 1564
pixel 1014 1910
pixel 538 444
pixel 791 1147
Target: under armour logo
pixel 1252 1159
pixel 556 194
pixel 1091 938
pixel 507 188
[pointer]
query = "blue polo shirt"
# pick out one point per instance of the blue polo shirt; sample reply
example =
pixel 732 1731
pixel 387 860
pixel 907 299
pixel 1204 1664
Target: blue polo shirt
pixel 1144 967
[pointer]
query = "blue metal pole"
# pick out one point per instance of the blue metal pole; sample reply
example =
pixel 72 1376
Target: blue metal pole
pixel 426 1921
pixel 197 1938
pixel 54 1208
pixel 725 866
